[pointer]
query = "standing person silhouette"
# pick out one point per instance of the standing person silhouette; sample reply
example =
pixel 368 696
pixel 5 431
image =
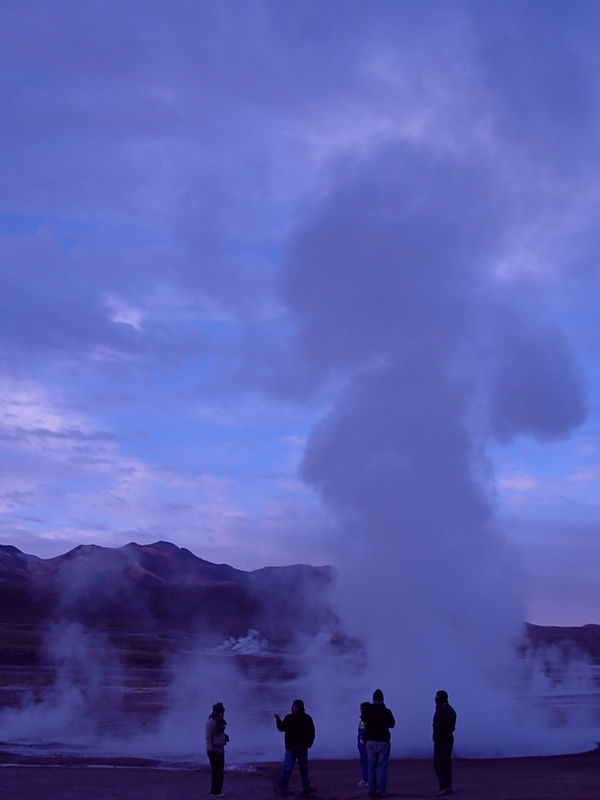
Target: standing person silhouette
pixel 444 723
pixel 299 732
pixel 216 739
pixel 379 719
pixel 362 745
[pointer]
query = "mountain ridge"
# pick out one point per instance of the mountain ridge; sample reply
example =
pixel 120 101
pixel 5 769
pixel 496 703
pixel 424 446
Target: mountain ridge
pixel 167 560
pixel 159 591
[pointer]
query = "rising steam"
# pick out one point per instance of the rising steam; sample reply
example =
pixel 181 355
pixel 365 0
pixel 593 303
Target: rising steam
pixel 398 311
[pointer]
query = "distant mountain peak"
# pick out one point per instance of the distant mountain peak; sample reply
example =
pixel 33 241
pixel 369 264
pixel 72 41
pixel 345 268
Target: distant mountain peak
pixel 162 587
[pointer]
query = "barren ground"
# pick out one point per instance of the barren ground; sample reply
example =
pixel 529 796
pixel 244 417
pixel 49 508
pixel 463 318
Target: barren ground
pixel 541 778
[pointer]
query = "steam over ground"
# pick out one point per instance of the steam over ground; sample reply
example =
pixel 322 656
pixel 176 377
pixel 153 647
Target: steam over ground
pixel 394 281
pixel 377 222
pixel 438 357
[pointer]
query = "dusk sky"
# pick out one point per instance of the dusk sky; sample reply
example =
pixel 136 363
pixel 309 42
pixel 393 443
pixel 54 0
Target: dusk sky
pixel 289 281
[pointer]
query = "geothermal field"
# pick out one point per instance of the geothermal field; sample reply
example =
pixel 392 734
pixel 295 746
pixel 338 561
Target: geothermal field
pixel 113 658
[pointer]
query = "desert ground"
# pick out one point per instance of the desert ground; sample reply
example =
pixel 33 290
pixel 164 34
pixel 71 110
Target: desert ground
pixel 576 777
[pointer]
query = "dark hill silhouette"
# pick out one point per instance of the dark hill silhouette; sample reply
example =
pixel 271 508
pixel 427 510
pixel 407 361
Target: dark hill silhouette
pixel 146 598
pixel 161 563
pixel 571 642
pixel 156 590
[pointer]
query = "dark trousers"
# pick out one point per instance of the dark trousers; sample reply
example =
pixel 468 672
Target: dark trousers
pixel 442 763
pixel 217 763
pixel 288 764
pixel 364 761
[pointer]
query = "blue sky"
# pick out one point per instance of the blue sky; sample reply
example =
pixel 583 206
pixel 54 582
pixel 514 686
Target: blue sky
pixel 289 281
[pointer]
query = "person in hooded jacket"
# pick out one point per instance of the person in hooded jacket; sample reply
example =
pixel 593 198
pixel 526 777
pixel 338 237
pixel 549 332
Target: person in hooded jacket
pixel 444 724
pixel 379 719
pixel 299 730
pixel 216 739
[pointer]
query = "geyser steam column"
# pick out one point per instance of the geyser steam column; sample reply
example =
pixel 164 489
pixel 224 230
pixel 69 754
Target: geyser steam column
pixel 391 288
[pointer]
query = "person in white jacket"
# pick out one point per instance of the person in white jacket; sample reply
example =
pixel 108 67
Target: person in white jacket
pixel 216 739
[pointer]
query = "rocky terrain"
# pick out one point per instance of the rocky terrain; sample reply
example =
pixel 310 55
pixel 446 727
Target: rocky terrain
pixel 100 636
pixel 570 642
pixel 149 599
pixel 103 645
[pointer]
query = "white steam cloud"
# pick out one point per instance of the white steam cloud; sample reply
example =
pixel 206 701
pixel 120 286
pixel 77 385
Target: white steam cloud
pixel 395 295
pixel 390 286
pixel 396 302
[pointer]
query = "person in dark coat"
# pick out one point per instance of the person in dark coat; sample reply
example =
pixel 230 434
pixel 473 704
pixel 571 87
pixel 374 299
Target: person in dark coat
pixel 379 719
pixel 299 730
pixel 444 723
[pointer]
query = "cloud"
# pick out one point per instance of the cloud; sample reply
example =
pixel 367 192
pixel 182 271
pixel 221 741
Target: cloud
pixel 538 66
pixel 537 389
